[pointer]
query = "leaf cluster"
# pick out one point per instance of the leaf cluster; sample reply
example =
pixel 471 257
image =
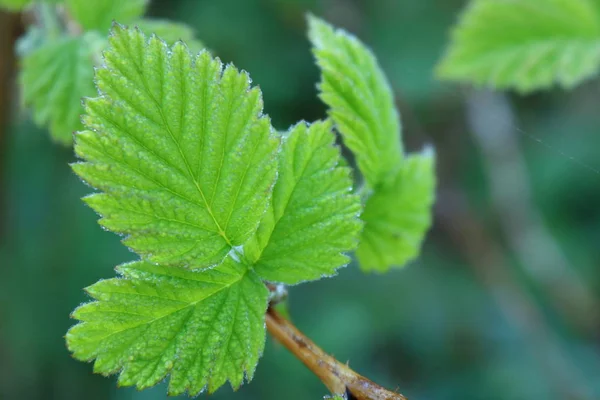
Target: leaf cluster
pixel 398 189
pixel 216 203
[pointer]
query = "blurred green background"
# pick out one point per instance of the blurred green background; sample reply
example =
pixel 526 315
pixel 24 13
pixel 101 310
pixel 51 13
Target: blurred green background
pixel 503 302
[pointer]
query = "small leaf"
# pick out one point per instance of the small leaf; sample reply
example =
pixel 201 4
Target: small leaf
pixel 398 215
pixel 202 328
pixel 360 100
pixel 54 79
pixel 170 32
pixel 524 44
pixel 399 192
pixel 100 14
pixel 313 218
pixel 180 149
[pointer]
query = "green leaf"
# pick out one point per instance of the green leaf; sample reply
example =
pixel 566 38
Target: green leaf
pixel 524 44
pixel 180 149
pixel 398 215
pixel 202 328
pixel 170 32
pixel 400 191
pixel 313 218
pixel 54 78
pixel 360 100
pixel 100 14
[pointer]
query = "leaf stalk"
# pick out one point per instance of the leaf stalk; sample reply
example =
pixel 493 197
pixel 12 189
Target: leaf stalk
pixel 338 377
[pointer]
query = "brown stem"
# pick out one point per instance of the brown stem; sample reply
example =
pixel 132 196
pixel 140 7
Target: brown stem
pixel 338 377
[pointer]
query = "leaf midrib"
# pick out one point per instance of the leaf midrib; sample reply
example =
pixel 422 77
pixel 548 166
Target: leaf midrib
pixel 171 312
pixel 220 230
pixel 289 199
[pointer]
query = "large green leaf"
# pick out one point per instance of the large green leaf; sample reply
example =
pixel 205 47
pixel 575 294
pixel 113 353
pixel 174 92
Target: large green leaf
pixel 313 218
pixel 202 328
pixel 525 44
pixel 54 78
pixel 398 215
pixel 180 149
pixel 360 100
pixel 100 14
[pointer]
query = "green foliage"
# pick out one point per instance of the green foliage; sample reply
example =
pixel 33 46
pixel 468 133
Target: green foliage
pixel 312 219
pixel 14 5
pixel 59 54
pixel 400 189
pixel 170 32
pixel 100 14
pixel 187 165
pixel 54 78
pixel 359 98
pixel 202 328
pixel 185 158
pixel 525 44
pixel 398 215
pixel 52 248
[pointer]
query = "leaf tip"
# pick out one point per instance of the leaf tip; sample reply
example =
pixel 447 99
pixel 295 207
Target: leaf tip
pixel 318 30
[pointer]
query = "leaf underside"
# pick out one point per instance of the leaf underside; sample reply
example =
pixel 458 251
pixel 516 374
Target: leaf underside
pixel 186 177
pixel 54 78
pixel 525 44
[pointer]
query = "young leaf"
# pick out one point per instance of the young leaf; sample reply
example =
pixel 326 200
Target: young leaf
pixel 398 212
pixel 99 14
pixel 202 328
pixel 180 148
pixel 398 215
pixel 360 100
pixel 525 44
pixel 54 78
pixel 313 218
pixel 170 32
